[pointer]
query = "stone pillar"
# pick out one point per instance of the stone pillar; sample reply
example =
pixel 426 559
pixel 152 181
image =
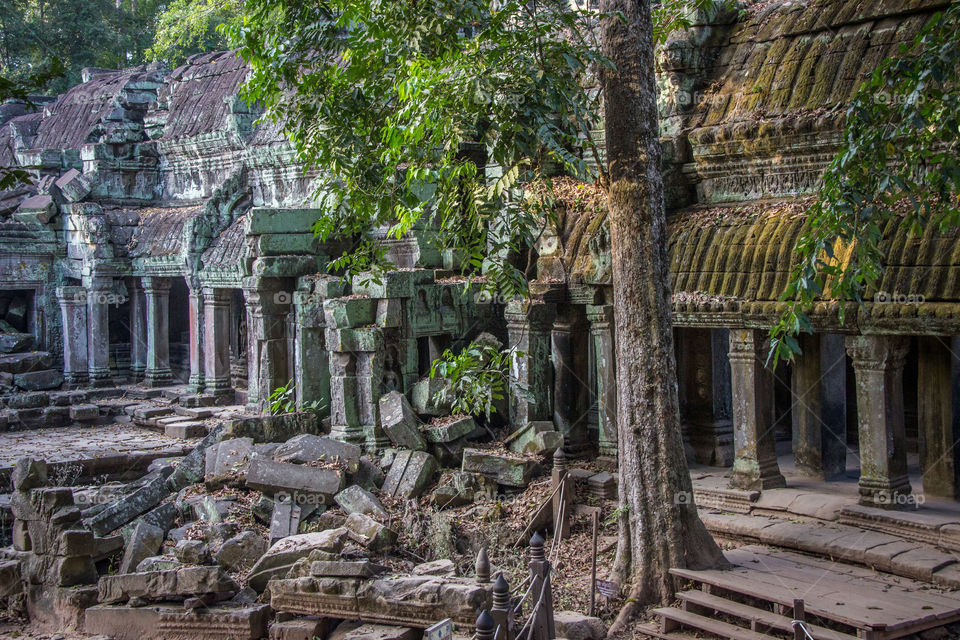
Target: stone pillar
pixel 807 436
pixel 311 363
pixel 267 366
pixel 529 325
pixel 344 417
pixel 704 379
pixel 755 456
pixel 138 329
pixel 216 341
pixel 570 359
pixel 157 293
pixel 878 363
pixel 601 331
pixel 99 295
pixel 936 414
pixel 833 405
pixel 369 379
pixel 198 344
pixel 73 311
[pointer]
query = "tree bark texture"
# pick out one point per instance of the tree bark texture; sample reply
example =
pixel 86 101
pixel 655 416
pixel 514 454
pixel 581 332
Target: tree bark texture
pixel 660 528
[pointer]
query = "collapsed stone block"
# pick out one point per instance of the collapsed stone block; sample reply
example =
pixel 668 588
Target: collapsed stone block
pixel 505 469
pixel 15 342
pixel 356 499
pixel 38 380
pixel 73 186
pixel 305 628
pixel 400 423
pixel 162 585
pixel 432 397
pixel 346 568
pixel 38 209
pixel 279 428
pixel 191 552
pixel 122 511
pixel 464 488
pixel 228 458
pixel 449 429
pixel 282 555
pixel 29 473
pixel 577 626
pixel 369 533
pixel 241 551
pixel 308 448
pixel 10 579
pixel 410 474
pixel 537 437
pixel 275 478
pixel 367 631
pixel 444 567
pixel 186 430
pixel 144 542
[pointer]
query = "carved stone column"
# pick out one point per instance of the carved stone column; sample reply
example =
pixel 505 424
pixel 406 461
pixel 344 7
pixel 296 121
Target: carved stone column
pixel 600 318
pixel 819 408
pixel 157 292
pixel 529 324
pixel 878 363
pixel 138 329
pixel 216 339
pixel 833 405
pixel 937 380
pixel 311 367
pixel 570 358
pixel 344 417
pixel 99 296
pixel 73 311
pixel 755 456
pixel 198 344
pixel 267 358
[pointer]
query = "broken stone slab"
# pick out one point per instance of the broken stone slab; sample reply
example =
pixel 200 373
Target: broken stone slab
pixel 368 475
pixel 505 469
pixel 228 458
pixel 400 423
pixel 282 555
pixel 450 429
pixel 38 380
pixel 410 474
pixel 356 499
pixel 432 397
pixel 171 622
pixel 285 519
pixel 603 485
pixel 444 567
pixel 368 631
pixel 29 473
pixel 210 509
pixel 279 428
pixel 144 542
pixel 573 625
pixel 125 509
pixel 241 551
pixel 162 585
pixel 346 568
pixel 157 563
pixel 15 342
pixel 10 580
pixel 276 478
pixel 369 533
pixel 307 448
pixel 414 601
pixel 192 468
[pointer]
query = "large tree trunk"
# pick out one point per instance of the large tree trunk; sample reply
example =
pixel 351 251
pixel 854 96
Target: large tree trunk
pixel 659 527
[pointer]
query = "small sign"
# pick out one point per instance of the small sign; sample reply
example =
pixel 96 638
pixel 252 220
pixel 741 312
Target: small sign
pixel 608 589
pixel 442 630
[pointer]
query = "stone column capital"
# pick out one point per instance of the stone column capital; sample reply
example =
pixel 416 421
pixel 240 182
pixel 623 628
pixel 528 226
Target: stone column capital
pixel 215 296
pixel 877 352
pixel 154 285
pixel 71 296
pixel 600 316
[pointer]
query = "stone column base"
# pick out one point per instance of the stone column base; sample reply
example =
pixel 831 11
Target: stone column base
pixel 892 494
pixel 158 378
pixel 753 477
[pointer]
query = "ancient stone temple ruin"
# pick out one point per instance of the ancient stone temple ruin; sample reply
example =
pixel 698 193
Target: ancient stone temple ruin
pixel 209 434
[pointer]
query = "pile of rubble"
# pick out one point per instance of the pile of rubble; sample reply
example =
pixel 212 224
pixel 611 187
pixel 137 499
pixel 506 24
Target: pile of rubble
pixel 265 523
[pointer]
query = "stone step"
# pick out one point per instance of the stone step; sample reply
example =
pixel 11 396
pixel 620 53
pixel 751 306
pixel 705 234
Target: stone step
pixel 198 413
pixel 185 430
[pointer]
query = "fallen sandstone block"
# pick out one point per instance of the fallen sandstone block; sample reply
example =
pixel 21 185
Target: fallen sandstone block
pixel 400 423
pixel 505 469
pixel 410 474
pixel 356 499
pixel 369 533
pixel 274 477
pixel 161 585
pixel 171 622
pixel 280 557
pixel 307 448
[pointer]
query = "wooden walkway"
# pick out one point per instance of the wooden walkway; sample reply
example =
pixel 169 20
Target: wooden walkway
pixel 755 599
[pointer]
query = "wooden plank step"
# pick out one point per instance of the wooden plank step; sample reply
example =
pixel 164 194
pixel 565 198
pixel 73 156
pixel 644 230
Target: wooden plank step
pixel 709 625
pixel 761 617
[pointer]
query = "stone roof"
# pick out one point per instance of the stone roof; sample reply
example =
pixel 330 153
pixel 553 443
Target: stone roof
pixel 160 232
pixel 202 94
pixel 77 117
pixel 227 250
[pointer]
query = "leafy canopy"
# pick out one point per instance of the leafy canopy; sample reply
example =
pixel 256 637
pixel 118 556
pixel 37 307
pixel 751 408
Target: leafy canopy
pixel 400 105
pixel 898 162
pixel 190 26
